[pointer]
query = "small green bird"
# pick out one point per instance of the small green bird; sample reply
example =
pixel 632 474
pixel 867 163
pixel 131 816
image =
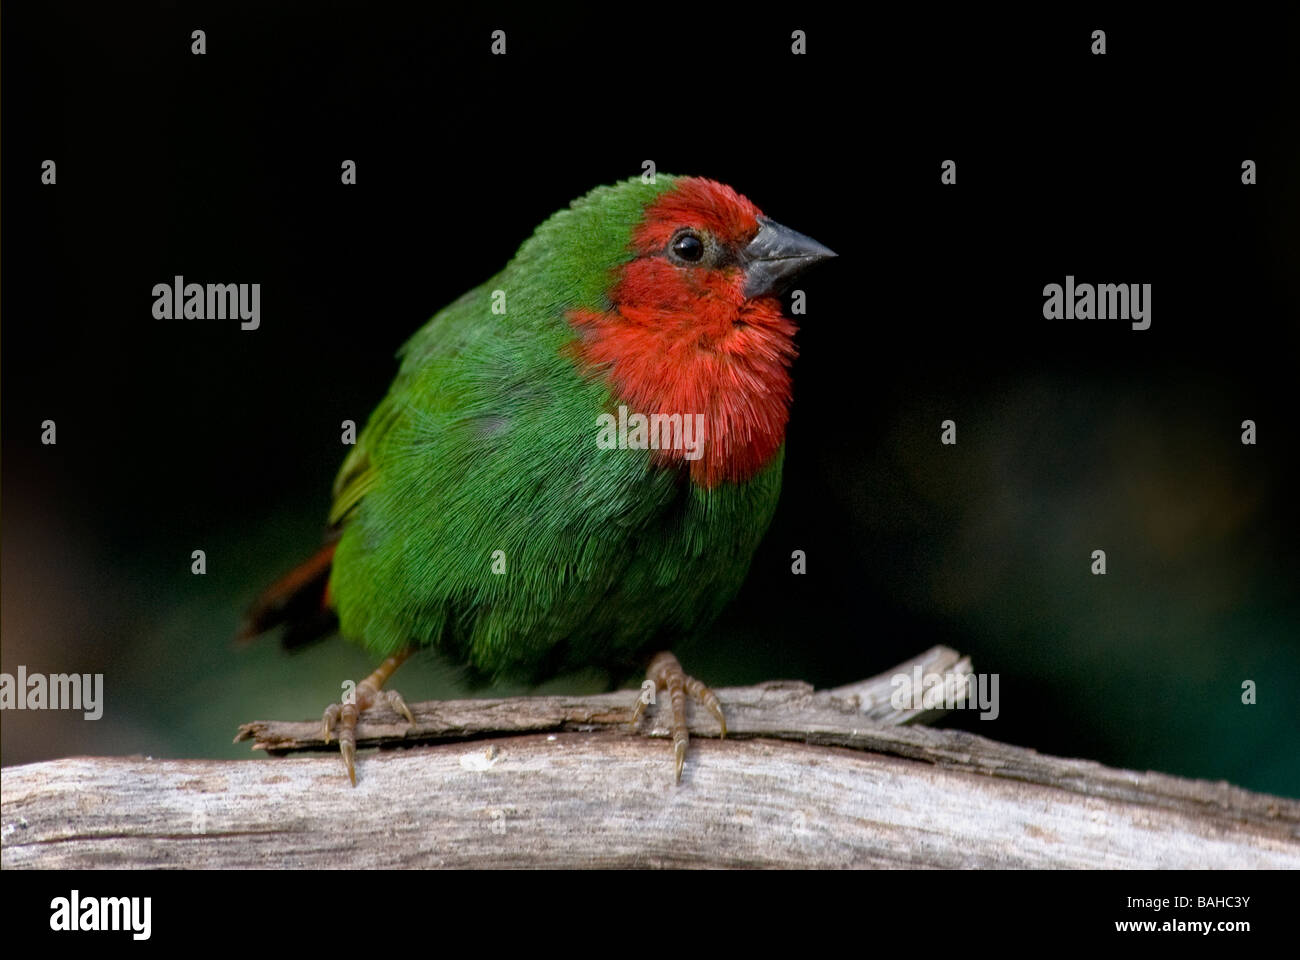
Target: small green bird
pixel 576 460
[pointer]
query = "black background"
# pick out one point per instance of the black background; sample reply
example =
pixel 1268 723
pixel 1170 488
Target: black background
pixel 1016 906
pixel 180 434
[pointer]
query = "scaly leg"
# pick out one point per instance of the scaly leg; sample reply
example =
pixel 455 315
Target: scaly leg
pixel 667 674
pixel 369 692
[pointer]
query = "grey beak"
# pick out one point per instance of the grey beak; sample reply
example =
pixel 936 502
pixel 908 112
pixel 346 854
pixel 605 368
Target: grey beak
pixel 776 256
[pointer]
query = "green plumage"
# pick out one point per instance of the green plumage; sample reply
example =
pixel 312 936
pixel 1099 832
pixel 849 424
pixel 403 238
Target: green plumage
pixel 486 442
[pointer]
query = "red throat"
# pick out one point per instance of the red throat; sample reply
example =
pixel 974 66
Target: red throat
pixel 686 341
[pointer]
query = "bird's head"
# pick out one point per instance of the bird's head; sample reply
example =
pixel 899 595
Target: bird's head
pixel 700 238
pixel 691 320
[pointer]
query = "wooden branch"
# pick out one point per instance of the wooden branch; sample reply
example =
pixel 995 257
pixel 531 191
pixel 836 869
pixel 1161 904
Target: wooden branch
pixel 809 781
pixel 783 709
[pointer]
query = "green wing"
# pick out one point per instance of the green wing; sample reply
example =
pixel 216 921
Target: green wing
pixel 360 472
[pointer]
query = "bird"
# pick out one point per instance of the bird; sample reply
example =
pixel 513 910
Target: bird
pixel 576 460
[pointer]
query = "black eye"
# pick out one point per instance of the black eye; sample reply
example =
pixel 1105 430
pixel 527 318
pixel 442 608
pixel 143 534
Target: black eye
pixel 687 247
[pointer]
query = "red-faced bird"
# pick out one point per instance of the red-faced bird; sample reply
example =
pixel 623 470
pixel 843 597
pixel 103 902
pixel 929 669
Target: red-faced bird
pixel 576 460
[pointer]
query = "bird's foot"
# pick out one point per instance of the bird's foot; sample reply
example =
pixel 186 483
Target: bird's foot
pixel 346 714
pixel 667 674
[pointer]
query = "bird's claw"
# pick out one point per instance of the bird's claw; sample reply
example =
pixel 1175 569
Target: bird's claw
pixel 667 674
pixel 398 704
pixel 330 718
pixel 349 752
pixel 345 715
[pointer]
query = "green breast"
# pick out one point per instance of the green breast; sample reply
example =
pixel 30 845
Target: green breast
pixel 493 527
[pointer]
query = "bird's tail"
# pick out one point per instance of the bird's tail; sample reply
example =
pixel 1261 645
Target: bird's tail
pixel 299 601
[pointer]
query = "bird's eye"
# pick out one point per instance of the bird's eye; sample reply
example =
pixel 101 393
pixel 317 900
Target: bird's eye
pixel 687 247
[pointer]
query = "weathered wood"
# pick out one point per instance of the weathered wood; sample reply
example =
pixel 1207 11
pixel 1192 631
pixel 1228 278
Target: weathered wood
pixel 783 709
pixel 571 786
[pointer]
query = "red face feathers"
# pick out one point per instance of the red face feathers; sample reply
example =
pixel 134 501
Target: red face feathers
pixel 696 327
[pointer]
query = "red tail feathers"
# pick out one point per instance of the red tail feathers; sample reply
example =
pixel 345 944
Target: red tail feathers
pixel 299 601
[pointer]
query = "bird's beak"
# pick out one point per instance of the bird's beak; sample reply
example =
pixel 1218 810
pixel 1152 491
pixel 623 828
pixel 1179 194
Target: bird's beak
pixel 776 256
